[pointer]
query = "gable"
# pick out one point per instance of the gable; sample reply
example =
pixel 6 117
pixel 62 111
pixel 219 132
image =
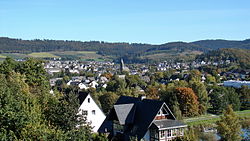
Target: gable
pixel 164 113
pixel 93 113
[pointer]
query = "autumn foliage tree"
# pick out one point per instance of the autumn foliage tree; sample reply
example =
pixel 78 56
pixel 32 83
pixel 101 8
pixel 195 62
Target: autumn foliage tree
pixel 188 101
pixel 152 92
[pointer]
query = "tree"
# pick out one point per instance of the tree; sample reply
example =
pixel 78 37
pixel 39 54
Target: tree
pixel 133 81
pixel 228 126
pixel 188 101
pixel 210 79
pixel 63 112
pixel 194 75
pixel 152 92
pixel 220 97
pixel 176 111
pixel 35 73
pixel 244 93
pixel 107 101
pixel 200 90
pixel 29 112
pixel 8 65
pixel 115 84
pixel 21 116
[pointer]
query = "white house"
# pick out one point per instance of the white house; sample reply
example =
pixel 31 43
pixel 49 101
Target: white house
pixel 82 86
pixel 93 84
pixel 91 111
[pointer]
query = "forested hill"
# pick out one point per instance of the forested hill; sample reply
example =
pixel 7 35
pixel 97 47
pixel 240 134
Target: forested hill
pixel 129 51
pixel 216 44
pixel 18 45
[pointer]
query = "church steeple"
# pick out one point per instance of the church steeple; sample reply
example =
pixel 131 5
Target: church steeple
pixel 121 65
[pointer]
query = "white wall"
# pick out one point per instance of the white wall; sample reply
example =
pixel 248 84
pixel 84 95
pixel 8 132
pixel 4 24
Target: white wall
pixel 236 84
pixel 95 119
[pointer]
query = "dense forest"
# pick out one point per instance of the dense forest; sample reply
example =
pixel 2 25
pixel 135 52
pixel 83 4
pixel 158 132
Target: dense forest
pixel 131 52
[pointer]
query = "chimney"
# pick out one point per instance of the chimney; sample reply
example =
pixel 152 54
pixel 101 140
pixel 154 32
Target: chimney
pixel 141 97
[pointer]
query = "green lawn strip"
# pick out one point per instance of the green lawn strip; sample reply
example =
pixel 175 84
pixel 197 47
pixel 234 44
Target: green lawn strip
pixel 206 119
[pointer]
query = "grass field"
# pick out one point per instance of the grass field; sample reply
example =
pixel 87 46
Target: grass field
pixel 208 119
pixel 14 55
pixel 43 55
pixel 67 55
pixel 2 56
pixel 82 55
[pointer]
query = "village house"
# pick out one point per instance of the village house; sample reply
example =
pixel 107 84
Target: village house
pixel 141 119
pixel 91 111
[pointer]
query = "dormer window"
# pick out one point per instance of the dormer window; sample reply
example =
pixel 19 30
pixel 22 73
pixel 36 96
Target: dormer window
pixel 88 100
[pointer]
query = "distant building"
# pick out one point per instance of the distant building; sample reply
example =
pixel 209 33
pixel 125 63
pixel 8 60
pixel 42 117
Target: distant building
pixel 236 84
pixel 123 67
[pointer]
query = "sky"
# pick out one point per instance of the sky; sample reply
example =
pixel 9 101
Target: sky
pixel 133 21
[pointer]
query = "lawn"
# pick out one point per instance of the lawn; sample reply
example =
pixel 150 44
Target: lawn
pixel 210 118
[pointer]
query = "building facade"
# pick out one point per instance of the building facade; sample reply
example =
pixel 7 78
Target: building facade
pixel 141 119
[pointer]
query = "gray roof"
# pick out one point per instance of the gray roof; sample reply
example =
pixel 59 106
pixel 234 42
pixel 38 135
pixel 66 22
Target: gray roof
pixel 168 124
pixel 124 113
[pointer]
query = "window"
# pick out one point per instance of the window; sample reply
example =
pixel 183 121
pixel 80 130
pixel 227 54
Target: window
pixel 162 134
pixel 93 112
pixel 85 112
pixel 153 135
pixel 169 133
pixel 88 100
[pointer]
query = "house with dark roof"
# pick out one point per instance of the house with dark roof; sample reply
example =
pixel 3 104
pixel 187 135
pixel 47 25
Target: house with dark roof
pixel 141 119
pixel 90 111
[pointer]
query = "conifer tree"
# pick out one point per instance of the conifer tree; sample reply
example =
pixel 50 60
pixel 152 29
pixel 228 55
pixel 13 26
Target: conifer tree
pixel 228 126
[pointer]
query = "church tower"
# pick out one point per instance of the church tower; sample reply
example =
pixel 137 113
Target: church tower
pixel 121 66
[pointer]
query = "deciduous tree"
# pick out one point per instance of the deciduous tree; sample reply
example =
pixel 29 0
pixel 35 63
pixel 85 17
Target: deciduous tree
pixel 188 101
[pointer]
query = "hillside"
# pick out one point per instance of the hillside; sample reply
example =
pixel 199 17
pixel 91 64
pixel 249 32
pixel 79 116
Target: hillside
pixel 240 57
pixel 131 52
pixel 217 44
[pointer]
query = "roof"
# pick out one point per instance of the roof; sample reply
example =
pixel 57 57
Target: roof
pixel 125 113
pixel 168 123
pixel 144 113
pixel 82 96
